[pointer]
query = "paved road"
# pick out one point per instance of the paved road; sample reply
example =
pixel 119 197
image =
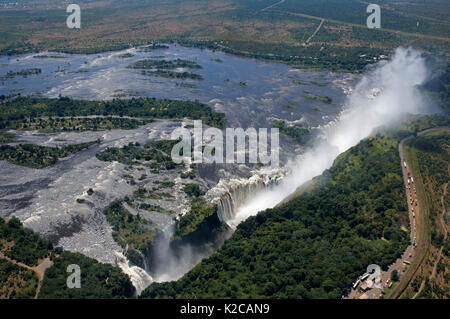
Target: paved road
pixel 417 223
pixel 417 230
pixel 414 216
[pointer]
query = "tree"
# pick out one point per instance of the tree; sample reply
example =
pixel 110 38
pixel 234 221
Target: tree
pixel 394 275
pixel 14 222
pixel 193 190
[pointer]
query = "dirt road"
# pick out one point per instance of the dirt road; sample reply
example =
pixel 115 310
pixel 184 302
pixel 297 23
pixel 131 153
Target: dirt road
pixel 273 5
pixel 315 31
pixel 39 269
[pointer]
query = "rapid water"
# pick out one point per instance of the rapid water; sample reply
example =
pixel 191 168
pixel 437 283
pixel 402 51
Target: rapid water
pixel 269 87
pixel 381 98
pixel 138 276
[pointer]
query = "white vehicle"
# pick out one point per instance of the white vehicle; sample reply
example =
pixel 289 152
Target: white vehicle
pixel 364 277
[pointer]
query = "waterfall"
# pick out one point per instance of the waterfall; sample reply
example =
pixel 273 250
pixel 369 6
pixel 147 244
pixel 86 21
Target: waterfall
pixel 237 192
pixel 238 199
pixel 171 262
pixel 382 98
pixel 139 277
pixel 231 201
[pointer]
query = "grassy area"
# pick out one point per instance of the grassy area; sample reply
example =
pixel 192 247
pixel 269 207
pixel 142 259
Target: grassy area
pixel 316 83
pixel 155 208
pixel 23 73
pixel 242 27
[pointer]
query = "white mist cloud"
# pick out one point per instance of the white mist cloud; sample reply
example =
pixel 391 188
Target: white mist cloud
pixel 382 97
pixel 172 263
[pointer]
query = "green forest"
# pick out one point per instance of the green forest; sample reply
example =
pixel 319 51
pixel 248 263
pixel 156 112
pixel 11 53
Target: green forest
pixel 164 64
pixel 23 245
pixel 75 124
pixel 29 108
pixel 156 151
pixel 16 282
pixel 300 134
pixel 98 281
pixel 37 156
pixel 316 244
pixel 312 246
pixel 130 231
pixel 24 73
pixel 173 75
pixel 163 68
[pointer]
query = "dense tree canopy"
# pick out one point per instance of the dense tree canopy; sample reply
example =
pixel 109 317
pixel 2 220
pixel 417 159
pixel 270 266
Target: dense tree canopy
pixel 27 107
pixel 97 280
pixel 316 244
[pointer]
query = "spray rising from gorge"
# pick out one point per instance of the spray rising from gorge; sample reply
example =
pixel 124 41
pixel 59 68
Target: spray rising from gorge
pixel 381 98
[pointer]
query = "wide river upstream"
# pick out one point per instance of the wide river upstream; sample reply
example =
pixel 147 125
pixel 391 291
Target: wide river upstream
pixel 248 91
pixel 251 93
